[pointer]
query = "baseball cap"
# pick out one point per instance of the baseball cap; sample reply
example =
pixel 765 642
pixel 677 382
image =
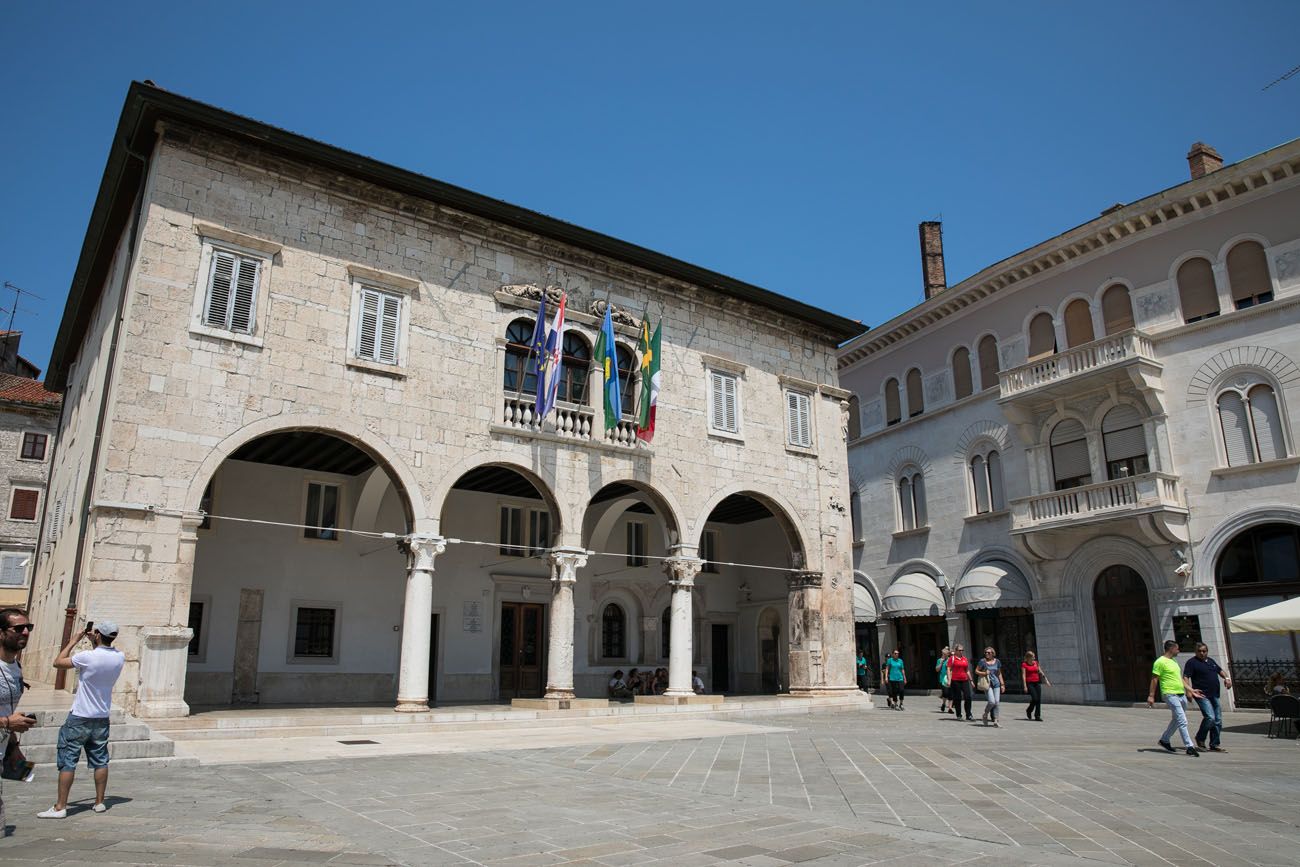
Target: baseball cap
pixel 106 627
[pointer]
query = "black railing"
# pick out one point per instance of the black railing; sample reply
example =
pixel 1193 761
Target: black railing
pixel 1250 679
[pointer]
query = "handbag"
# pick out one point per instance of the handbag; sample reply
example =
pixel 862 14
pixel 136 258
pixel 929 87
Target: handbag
pixel 982 682
pixel 15 765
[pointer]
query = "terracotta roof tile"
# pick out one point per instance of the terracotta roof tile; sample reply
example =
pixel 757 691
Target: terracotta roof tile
pixel 20 389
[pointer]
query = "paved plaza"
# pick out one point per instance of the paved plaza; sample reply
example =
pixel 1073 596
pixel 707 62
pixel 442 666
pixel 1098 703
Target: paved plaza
pixel 862 787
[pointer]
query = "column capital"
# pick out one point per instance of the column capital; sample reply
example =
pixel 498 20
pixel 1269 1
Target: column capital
pixel 424 548
pixel 681 571
pixel 804 580
pixel 565 563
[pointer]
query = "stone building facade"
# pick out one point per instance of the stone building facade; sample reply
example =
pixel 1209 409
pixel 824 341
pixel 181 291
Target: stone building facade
pixel 1090 446
pixel 29 417
pixel 297 390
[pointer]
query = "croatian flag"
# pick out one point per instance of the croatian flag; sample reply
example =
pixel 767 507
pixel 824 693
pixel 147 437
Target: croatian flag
pixel 548 382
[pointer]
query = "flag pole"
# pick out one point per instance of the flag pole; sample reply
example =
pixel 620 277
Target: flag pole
pixel 636 397
pixel 523 374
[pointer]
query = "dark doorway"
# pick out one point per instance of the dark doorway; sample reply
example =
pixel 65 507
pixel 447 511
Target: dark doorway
pixel 1010 632
pixel 721 673
pixel 1124 634
pixel 868 644
pixel 522 642
pixel 921 639
pixel 433 659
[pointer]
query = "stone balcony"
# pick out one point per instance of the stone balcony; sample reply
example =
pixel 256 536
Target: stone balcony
pixel 567 423
pixel 1120 358
pixel 1151 503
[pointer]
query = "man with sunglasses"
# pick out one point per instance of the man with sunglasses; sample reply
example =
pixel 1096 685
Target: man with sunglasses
pixel 14 630
pixel 1204 674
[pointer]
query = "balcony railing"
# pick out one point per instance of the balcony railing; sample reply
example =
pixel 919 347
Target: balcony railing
pixel 1108 499
pixel 1109 351
pixel 569 421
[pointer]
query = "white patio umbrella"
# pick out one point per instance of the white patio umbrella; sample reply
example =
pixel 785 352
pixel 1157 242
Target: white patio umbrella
pixel 1279 617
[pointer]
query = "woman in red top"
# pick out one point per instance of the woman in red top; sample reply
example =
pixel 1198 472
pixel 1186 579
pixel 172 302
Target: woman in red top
pixel 959 672
pixel 1035 677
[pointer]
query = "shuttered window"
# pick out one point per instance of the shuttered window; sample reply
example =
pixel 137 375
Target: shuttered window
pixel 915 395
pixel 13 568
pixel 1248 275
pixel 893 404
pixel 1078 323
pixel 23 503
pixel 1071 466
pixel 539 531
pixel 232 292
pixel 378 322
pixel 961 378
pixel 322 514
pixel 1042 336
pixel 997 497
pixel 1196 290
pixel 1267 422
pixel 1125 443
pixel 979 476
pixel 798 421
pixel 1116 309
pixel 988 357
pixel 724 414
pixel 1236 429
pixel 911 500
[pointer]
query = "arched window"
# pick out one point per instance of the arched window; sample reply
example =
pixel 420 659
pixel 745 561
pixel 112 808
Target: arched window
pixel 988 356
pixel 1250 421
pixel 1248 275
pixel 1071 467
pixel 855 418
pixel 521 367
pixel 1196 290
pixel 613 632
pixel 893 404
pixel 1116 309
pixel 855 515
pixel 961 378
pixel 576 365
pixel 1125 443
pixel 627 378
pixel 986 482
pixel 1042 336
pixel 911 500
pixel 915 399
pixel 666 632
pixel 1078 323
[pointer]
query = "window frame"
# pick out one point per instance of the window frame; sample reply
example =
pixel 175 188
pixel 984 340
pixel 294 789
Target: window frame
pixel 200 654
pixel 18 553
pixel 360 289
pixel 626 643
pixel 637 547
pixel 22 445
pixel 336 633
pixel 720 375
pixel 241 247
pixel 1242 384
pixel 36 510
pixel 709 547
pixel 339 520
pixel 920 517
pixel 994 483
pixel 798 396
pixel 527 524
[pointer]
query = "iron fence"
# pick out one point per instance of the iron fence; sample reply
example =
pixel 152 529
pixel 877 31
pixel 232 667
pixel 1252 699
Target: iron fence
pixel 1250 679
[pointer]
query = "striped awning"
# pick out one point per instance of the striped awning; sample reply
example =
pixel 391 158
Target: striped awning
pixel 913 595
pixel 864 606
pixel 992 585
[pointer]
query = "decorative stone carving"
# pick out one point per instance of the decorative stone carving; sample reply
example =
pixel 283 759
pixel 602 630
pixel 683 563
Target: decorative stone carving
pixel 533 292
pixel 617 314
pixel 802 580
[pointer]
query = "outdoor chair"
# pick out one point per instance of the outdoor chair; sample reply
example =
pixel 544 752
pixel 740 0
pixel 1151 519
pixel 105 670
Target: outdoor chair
pixel 1284 710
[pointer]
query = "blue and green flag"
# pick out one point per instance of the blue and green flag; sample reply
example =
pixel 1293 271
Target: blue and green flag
pixel 608 358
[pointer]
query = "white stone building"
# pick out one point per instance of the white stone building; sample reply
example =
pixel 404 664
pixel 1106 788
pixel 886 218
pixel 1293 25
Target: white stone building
pixel 1090 446
pixel 29 417
pixel 298 438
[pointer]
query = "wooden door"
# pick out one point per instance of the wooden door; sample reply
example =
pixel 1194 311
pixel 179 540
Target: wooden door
pixel 522 646
pixel 721 674
pixel 1124 636
pixel 921 643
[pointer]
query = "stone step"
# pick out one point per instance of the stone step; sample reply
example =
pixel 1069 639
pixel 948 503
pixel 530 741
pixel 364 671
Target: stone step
pixel 157 747
pixel 46 717
pixel 123 731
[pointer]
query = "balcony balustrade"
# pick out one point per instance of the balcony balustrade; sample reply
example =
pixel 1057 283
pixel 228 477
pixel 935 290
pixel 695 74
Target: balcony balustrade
pixel 1107 354
pixel 1150 491
pixel 567 421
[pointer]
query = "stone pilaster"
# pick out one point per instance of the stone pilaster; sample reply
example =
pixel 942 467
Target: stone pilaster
pixel 413 674
pixel 806 673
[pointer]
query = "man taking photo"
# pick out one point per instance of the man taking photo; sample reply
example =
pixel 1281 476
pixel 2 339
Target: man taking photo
pixel 86 727
pixel 14 630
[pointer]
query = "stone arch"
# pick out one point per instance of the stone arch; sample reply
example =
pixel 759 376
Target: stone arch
pixel 1110 403
pixel 1184 259
pixel 903 457
pixel 1225 531
pixel 1261 358
pixel 543 480
pixel 665 506
pixel 786 515
pixel 1237 239
pixel 633 609
pixel 417 515
pixel 980 430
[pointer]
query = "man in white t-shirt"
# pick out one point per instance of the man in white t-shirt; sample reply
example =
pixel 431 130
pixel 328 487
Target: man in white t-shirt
pixel 86 727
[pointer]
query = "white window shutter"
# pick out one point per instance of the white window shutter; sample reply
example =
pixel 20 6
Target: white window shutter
pixel 722 397
pixel 802 421
pixel 245 296
pixel 979 478
pixel 918 493
pixel 390 319
pixel 221 280
pixel 12 572
pixel 1268 423
pixel 905 504
pixel 997 498
pixel 792 419
pixel 368 324
pixel 729 388
pixel 1236 429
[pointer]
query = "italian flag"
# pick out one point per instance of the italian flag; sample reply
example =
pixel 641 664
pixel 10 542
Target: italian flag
pixel 645 423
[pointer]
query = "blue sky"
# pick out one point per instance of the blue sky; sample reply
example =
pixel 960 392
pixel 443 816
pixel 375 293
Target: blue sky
pixel 793 145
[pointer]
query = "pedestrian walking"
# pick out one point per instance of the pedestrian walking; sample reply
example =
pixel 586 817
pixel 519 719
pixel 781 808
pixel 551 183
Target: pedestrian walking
pixel 960 685
pixel 864 682
pixel 86 727
pixel 1203 674
pixel 14 631
pixel 945 679
pixel 895 678
pixel 1166 675
pixel 989 671
pixel 1035 680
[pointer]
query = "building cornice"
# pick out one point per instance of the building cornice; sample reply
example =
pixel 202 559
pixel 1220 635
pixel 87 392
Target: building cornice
pixel 1251 178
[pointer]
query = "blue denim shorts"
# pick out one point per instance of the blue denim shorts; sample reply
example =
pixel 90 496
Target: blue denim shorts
pixel 79 733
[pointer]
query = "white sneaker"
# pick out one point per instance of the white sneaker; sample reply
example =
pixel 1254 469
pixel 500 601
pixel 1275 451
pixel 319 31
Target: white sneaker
pixel 100 808
pixel 52 813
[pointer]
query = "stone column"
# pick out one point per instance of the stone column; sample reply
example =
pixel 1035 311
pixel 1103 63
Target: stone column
pixel 681 577
pixel 565 563
pixel 413 674
pixel 164 655
pixel 805 633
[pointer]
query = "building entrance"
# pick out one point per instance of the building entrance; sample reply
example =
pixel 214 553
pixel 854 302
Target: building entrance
pixel 721 659
pixel 523 669
pixel 1124 633
pixel 921 639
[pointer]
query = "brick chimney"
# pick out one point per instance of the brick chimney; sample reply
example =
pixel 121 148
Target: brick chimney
pixel 932 273
pixel 1203 159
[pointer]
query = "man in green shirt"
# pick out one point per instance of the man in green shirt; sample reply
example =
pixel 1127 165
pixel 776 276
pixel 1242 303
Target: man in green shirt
pixel 1166 674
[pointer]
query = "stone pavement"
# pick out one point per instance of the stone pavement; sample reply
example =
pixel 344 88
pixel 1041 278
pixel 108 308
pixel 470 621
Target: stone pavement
pixel 1088 786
